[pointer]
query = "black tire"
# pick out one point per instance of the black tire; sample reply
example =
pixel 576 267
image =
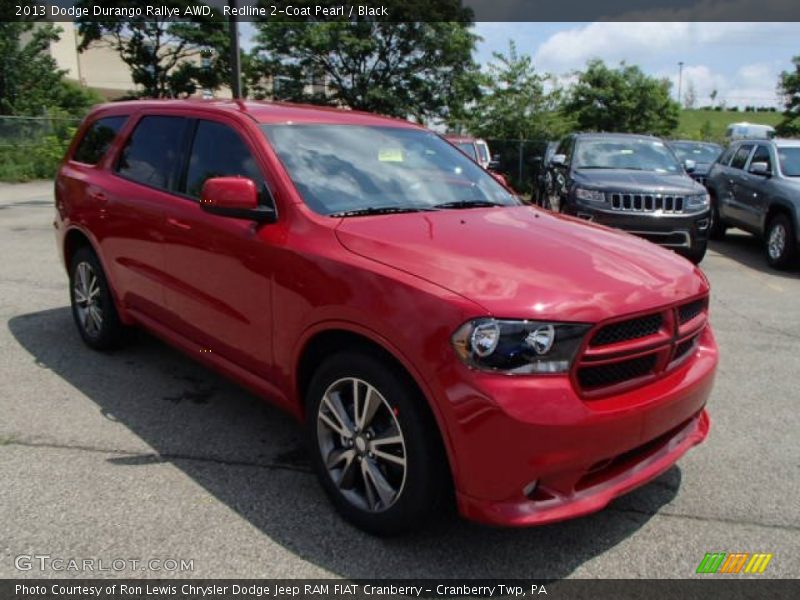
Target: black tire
pixel 716 226
pixel 109 332
pixel 426 479
pixel 780 256
pixel 697 252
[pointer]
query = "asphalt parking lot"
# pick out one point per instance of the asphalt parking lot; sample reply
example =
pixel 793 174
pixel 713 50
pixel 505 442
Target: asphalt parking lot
pixel 144 454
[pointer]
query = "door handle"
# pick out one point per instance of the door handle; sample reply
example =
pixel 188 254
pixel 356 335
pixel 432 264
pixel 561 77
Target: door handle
pixel 98 196
pixel 178 224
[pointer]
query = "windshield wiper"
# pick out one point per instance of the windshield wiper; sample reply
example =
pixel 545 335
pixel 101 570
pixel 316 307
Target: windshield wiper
pixel 378 210
pixel 467 204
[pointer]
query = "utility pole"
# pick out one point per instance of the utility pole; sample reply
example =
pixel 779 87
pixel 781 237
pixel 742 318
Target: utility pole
pixel 680 82
pixel 236 58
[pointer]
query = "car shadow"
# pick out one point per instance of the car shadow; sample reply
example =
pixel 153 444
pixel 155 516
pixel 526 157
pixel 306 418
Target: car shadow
pixel 748 250
pixel 250 457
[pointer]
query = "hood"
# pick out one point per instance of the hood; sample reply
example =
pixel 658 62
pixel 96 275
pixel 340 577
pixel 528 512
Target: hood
pixel 522 262
pixel 625 180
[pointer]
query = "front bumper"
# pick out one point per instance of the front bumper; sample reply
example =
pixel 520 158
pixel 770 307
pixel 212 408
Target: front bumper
pixel 530 450
pixel 673 231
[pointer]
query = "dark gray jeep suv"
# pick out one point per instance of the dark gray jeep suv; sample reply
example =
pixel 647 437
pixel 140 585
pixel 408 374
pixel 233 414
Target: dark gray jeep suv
pixel 755 185
pixel 632 182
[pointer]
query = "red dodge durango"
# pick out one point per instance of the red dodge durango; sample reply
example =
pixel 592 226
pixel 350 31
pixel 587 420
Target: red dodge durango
pixel 438 338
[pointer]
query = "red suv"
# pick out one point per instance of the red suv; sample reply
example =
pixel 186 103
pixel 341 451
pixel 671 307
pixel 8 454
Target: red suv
pixel 435 335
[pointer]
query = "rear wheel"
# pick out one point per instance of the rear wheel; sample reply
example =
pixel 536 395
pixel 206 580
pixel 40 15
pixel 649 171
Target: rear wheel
pixel 781 242
pixel 374 446
pixel 92 305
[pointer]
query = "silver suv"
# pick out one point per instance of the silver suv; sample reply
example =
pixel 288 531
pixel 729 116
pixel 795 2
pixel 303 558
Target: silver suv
pixel 755 185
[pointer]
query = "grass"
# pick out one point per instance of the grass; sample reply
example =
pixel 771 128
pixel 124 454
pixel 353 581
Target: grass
pixel 711 124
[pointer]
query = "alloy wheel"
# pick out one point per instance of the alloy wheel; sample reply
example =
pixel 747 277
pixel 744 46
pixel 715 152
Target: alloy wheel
pixel 776 244
pixel 362 444
pixel 86 291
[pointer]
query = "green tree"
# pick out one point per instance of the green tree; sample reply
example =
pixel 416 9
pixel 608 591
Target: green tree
pixel 168 59
pixel 623 100
pixel 517 102
pixel 406 68
pixel 30 81
pixel 789 86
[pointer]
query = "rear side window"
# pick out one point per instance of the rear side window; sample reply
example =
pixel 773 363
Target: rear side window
pixel 725 159
pixel 218 151
pixel 740 158
pixel 97 139
pixel 152 153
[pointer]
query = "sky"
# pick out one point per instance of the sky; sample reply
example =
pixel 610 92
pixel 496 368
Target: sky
pixel 741 61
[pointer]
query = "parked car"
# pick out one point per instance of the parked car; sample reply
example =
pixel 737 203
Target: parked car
pixel 476 149
pixel 632 182
pixel 542 185
pixel 366 276
pixel 755 185
pixel 697 156
pixel 749 131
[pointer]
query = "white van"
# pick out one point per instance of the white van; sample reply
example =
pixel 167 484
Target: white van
pixel 749 131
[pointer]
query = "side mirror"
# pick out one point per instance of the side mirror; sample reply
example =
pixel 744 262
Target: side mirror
pixel 235 197
pixel 689 165
pixel 760 168
pixel 558 160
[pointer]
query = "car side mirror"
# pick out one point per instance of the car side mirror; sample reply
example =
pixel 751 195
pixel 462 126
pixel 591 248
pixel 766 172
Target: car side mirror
pixel 558 160
pixel 235 197
pixel 689 165
pixel 760 168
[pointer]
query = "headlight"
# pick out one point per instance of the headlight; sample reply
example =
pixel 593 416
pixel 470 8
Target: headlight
pixel 697 202
pixel 518 347
pixel 595 196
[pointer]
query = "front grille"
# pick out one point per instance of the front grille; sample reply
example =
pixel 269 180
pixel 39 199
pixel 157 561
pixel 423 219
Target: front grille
pixel 689 311
pixel 645 202
pixel 628 330
pixel 610 374
pixel 684 348
pixel 645 346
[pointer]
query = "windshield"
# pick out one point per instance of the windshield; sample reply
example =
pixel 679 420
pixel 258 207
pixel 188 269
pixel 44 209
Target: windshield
pixel 632 154
pixel 346 168
pixel 467 148
pixel 790 161
pixel 701 153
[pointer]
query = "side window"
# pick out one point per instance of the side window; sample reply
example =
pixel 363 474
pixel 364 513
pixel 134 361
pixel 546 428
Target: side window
pixel 217 151
pixel 725 159
pixel 740 158
pixel 565 148
pixel 97 139
pixel 152 153
pixel 762 155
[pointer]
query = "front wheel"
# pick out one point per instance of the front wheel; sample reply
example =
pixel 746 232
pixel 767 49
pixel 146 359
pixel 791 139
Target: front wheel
pixel 374 445
pixel 781 242
pixel 697 252
pixel 716 227
pixel 92 304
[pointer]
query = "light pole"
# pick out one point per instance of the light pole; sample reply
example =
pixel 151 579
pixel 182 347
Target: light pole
pixel 680 82
pixel 236 59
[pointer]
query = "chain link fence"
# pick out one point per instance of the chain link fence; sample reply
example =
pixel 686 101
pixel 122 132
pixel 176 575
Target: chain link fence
pixel 31 147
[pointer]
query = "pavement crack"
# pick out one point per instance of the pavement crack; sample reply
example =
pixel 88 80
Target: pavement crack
pixel 649 513
pixel 127 457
